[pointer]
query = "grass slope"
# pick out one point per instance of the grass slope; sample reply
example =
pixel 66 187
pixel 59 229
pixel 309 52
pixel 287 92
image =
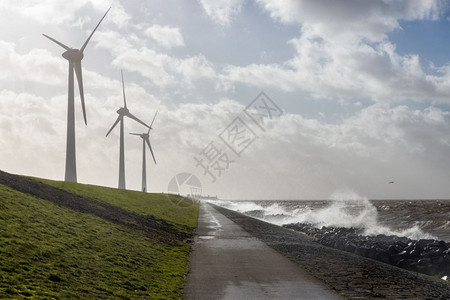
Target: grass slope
pixel 183 217
pixel 47 251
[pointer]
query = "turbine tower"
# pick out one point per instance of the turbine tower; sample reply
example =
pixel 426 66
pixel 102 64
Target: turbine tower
pixel 123 112
pixel 145 140
pixel 74 56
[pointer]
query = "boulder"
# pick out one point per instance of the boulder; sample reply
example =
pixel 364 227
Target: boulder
pixel 427 256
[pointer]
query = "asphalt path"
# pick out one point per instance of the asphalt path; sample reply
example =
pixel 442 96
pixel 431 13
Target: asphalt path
pixel 228 263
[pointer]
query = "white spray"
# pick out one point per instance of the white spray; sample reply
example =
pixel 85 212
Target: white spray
pixel 347 209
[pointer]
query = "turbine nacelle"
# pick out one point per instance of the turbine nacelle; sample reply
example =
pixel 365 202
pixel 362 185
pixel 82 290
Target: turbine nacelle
pixel 123 111
pixel 146 138
pixel 73 55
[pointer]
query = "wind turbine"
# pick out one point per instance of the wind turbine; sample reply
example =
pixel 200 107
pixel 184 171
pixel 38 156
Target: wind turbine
pixel 74 56
pixel 145 140
pixel 123 112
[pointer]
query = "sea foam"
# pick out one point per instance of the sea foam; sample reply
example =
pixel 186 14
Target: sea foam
pixel 346 209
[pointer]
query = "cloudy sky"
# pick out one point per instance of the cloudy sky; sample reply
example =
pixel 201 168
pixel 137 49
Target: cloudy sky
pixel 362 87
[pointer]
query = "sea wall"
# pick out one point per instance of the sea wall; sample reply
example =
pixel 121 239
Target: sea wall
pixel 352 275
pixel 426 256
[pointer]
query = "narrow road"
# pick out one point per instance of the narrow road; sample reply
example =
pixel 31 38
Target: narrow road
pixel 228 263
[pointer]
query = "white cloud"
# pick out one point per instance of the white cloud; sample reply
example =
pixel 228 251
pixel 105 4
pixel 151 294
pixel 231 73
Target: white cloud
pixel 30 131
pixel 49 11
pixel 38 65
pixel 166 36
pixel 57 12
pixel 193 68
pixel 333 59
pixel 368 19
pixel 364 152
pixel 148 63
pixel 263 76
pixel 162 69
pixel 113 41
pixel 221 11
pixel 343 53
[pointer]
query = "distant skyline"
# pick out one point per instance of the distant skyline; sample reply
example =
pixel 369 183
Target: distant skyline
pixel 364 87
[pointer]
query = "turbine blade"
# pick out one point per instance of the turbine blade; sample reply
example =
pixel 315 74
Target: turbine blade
pixel 152 121
pixel 80 86
pixel 135 134
pixel 151 150
pixel 59 43
pixel 114 125
pixel 129 115
pixel 123 89
pixel 87 41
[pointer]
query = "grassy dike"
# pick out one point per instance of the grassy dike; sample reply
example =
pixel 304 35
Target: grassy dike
pixel 49 251
pixel 182 216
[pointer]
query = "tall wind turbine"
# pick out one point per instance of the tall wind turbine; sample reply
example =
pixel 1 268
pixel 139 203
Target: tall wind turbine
pixel 146 140
pixel 123 112
pixel 74 56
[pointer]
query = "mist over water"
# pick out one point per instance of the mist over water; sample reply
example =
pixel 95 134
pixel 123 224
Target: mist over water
pixel 344 209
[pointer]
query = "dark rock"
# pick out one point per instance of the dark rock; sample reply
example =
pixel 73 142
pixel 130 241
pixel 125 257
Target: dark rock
pixel 409 248
pixel 382 255
pixel 443 245
pixel 402 244
pixel 424 242
pixel 394 249
pixel 350 247
pixel 427 256
pixel 357 277
pixel 363 251
pixel 415 253
pixel 340 244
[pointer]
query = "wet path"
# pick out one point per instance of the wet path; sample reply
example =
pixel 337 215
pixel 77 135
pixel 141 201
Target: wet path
pixel 228 263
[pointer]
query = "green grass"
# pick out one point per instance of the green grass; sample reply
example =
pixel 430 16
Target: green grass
pixel 51 252
pixel 435 278
pixel 182 217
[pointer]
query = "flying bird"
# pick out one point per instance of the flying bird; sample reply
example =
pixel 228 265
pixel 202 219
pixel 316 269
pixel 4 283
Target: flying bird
pixel 391 182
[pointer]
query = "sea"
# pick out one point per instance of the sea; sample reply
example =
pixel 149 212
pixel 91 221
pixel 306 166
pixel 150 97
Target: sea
pixel 415 219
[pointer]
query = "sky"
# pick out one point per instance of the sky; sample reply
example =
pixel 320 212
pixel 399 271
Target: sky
pixel 356 94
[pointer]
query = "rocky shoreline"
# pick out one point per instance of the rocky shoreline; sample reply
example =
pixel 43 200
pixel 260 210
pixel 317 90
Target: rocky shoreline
pixel 351 275
pixel 426 256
